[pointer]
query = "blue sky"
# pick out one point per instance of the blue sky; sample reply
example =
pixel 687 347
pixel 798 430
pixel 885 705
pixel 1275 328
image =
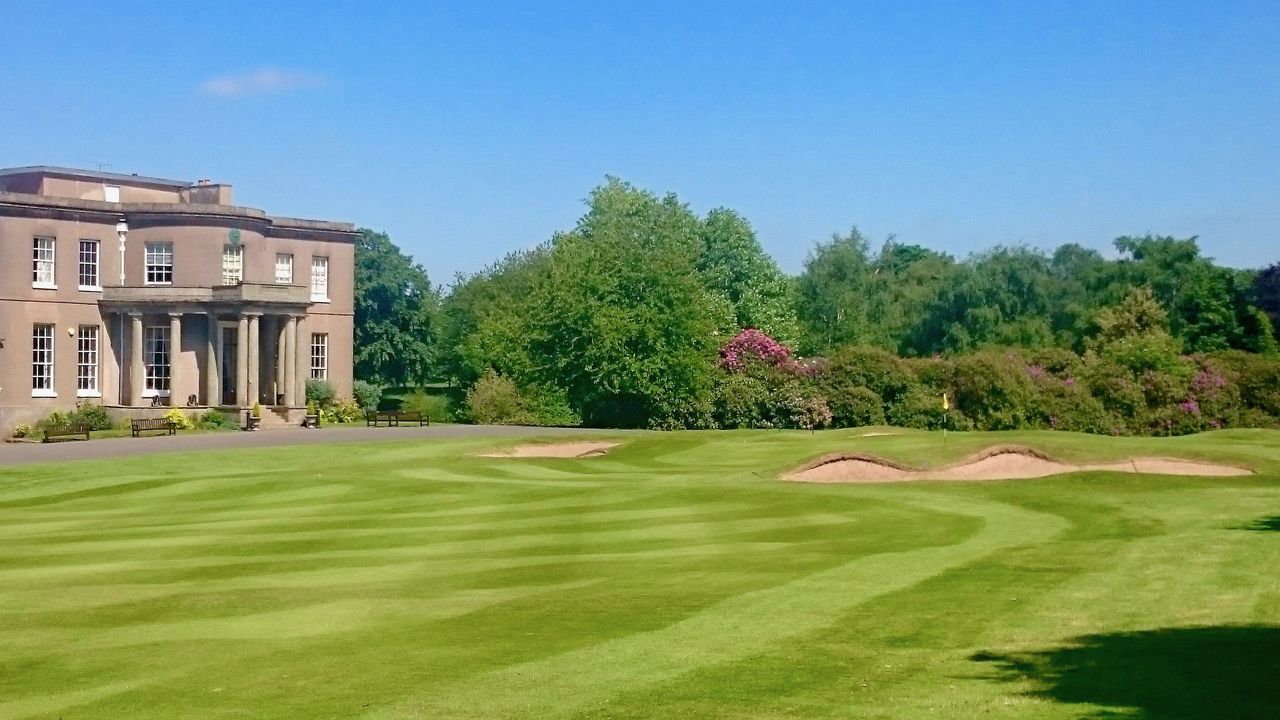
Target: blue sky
pixel 468 131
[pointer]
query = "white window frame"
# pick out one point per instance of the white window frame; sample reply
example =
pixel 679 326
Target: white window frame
pixel 157 360
pixel 95 262
pixel 320 356
pixel 87 361
pixel 284 268
pixel 232 264
pixel 320 278
pixel 43 339
pixel 154 265
pixel 44 263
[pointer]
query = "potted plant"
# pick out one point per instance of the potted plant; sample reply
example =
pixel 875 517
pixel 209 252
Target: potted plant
pixel 312 418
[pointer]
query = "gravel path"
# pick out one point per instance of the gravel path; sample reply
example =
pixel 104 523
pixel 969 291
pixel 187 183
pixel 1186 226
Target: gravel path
pixel 24 453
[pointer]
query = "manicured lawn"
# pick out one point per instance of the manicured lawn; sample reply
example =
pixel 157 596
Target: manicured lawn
pixel 675 577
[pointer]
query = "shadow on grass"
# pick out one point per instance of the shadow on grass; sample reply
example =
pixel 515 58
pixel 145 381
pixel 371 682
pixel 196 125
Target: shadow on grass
pixel 1166 674
pixel 1267 524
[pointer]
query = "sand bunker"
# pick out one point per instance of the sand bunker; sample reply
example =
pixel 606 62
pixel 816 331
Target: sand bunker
pixel 878 434
pixel 586 448
pixel 998 463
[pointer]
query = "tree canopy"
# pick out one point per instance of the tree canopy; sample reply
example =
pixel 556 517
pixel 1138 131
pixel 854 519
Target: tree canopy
pixel 619 321
pixel 395 314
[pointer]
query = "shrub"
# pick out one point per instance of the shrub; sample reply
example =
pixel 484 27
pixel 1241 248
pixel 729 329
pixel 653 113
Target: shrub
pixel 881 372
pixel 214 420
pixel 95 416
pixel 57 417
pixel 807 412
pixel 1257 378
pixel 436 408
pixel 549 406
pixel 1065 404
pixel 856 407
pixel 178 418
pixel 320 392
pixel 342 411
pixel 752 344
pixel 367 394
pixel 994 390
pixel 495 400
pixel 741 401
pixel 921 408
pixel 23 430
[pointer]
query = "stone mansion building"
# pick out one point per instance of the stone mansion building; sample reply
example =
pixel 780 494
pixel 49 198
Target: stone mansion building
pixel 135 292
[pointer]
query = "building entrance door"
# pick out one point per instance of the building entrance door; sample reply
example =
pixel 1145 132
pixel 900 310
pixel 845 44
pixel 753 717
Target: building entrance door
pixel 229 344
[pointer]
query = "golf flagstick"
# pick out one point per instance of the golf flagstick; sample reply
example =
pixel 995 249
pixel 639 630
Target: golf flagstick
pixel 945 407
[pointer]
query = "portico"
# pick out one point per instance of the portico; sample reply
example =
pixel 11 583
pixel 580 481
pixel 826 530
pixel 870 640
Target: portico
pixel 223 347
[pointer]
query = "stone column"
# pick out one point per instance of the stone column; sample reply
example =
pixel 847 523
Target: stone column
pixel 136 374
pixel 255 357
pixel 242 362
pixel 109 344
pixel 290 364
pixel 278 342
pixel 213 367
pixel 302 358
pixel 176 396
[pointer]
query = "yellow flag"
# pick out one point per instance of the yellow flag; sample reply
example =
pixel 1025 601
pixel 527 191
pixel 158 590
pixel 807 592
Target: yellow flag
pixel 946 405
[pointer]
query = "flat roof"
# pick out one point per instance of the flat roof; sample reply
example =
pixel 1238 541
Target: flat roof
pixel 94 175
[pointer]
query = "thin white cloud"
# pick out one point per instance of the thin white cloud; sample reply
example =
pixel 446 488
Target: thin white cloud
pixel 262 81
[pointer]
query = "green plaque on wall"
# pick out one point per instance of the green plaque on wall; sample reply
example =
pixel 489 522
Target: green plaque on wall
pixel 234 235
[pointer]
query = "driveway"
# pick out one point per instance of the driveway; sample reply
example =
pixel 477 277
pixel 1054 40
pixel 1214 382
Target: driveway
pixel 24 453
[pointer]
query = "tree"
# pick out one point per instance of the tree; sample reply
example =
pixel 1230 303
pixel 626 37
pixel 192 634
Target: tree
pixel 734 266
pixel 395 314
pixel 623 321
pixel 836 295
pixel 1209 307
pixel 1266 290
pixel 486 315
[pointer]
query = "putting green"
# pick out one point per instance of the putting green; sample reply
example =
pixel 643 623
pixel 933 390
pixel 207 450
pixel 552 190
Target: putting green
pixel 676 576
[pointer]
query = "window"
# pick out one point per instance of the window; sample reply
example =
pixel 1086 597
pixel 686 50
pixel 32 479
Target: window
pixel 159 263
pixel 87 361
pixel 155 358
pixel 89 265
pixel 320 279
pixel 111 193
pixel 232 264
pixel 42 263
pixel 42 361
pixel 320 355
pixel 284 269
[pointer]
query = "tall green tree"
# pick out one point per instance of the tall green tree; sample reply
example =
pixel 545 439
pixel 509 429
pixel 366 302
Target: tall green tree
pixel 734 266
pixel 837 295
pixel 395 314
pixel 623 321
pixel 485 319
pixel 1266 291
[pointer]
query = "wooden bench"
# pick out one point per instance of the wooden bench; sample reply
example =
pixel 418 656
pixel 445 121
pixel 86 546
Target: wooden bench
pixel 393 418
pixel 141 425
pixel 412 416
pixel 65 430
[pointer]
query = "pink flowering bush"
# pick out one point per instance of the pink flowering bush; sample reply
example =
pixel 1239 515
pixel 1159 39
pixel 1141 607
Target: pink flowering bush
pixel 749 344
